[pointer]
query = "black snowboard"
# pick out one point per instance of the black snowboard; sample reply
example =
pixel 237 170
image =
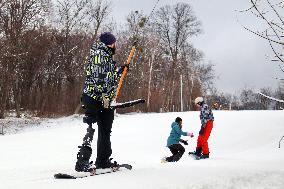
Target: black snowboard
pixel 76 175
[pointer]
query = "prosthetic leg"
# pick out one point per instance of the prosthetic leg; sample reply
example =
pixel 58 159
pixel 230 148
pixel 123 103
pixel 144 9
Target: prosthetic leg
pixel 85 152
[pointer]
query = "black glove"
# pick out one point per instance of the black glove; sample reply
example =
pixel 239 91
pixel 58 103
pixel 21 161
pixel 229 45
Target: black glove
pixel 125 66
pixel 201 131
pixel 121 69
pixel 184 142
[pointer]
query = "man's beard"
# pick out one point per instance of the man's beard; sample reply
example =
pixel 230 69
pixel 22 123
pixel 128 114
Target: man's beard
pixel 113 50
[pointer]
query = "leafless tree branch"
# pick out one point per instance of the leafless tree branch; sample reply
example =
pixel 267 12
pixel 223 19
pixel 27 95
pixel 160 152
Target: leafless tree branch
pixel 264 37
pixel 279 17
pixel 264 18
pixel 276 54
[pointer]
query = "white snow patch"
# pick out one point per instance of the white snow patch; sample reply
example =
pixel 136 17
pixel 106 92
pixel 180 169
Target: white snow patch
pixel 243 144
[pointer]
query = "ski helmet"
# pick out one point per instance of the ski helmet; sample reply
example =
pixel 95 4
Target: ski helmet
pixel 199 100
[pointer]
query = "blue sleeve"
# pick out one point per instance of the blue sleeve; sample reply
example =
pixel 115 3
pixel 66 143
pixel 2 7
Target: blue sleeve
pixel 179 131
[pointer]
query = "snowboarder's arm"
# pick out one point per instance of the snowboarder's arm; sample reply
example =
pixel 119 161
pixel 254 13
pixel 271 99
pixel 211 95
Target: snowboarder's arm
pixel 179 131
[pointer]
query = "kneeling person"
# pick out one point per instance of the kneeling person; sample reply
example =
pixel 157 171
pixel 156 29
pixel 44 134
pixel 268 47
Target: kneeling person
pixel 173 144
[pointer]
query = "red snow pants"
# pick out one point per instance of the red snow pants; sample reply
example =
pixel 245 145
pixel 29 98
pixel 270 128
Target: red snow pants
pixel 202 139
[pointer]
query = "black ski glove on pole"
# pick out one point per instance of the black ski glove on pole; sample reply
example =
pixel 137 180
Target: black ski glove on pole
pixel 122 68
pixel 125 66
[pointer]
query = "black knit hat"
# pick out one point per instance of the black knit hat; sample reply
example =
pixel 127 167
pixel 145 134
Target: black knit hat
pixel 107 38
pixel 178 119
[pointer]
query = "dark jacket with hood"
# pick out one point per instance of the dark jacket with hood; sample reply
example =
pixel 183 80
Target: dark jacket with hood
pixel 102 76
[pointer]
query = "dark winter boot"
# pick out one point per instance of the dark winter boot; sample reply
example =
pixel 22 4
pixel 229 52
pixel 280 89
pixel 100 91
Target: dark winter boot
pixel 196 153
pixel 83 157
pixel 204 156
pixel 108 164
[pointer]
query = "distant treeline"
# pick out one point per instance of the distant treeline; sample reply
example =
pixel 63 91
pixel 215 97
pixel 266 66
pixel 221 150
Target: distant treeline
pixel 44 45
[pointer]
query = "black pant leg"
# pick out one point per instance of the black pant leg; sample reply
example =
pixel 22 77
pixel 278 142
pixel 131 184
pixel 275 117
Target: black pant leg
pixel 181 151
pixel 174 151
pixel 104 151
pixel 177 151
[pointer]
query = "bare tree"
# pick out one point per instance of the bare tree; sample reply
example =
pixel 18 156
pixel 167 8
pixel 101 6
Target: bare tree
pixel 74 16
pixel 150 67
pixel 42 62
pixel 270 17
pixel 135 35
pixel 100 11
pixel 190 69
pixel 250 100
pixel 266 103
pixel 175 25
pixel 16 18
pixel 270 14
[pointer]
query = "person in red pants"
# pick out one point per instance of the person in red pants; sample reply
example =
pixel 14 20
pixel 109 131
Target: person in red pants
pixel 207 118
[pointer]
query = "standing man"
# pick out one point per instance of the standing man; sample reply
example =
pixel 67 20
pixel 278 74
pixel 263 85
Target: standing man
pixel 100 87
pixel 207 118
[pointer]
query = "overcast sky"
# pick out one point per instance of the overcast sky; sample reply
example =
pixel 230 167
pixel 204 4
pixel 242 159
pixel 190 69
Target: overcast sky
pixel 240 57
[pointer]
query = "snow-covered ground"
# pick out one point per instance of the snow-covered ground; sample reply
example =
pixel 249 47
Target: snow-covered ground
pixel 243 144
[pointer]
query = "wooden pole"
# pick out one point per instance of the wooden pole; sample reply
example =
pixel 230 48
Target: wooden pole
pixel 125 71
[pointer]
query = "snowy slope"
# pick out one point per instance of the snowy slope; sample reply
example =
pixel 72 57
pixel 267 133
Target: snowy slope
pixel 244 153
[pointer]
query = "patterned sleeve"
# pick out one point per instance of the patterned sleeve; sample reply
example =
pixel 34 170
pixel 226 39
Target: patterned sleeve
pixel 179 131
